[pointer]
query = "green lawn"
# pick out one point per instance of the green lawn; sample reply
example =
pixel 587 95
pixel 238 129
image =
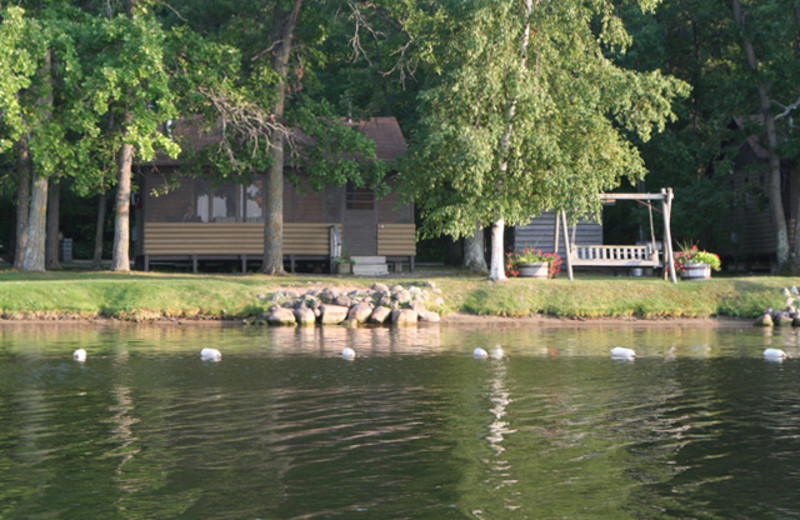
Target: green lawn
pixel 142 296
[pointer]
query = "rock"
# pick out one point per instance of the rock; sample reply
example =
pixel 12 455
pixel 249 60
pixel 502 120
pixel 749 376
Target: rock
pixel 429 316
pixel 342 300
pixel 417 306
pixel 404 317
pixel 439 301
pixel 359 312
pixel 261 296
pixel 379 287
pixel 385 300
pixel 429 284
pixel 401 296
pixel 333 313
pixel 305 316
pixel 281 316
pixel 794 290
pixel 786 292
pixel 765 320
pixel 396 288
pixel 782 320
pixel 379 315
pixel 415 290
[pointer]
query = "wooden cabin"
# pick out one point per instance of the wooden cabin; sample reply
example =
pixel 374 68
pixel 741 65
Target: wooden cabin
pixel 753 238
pixel 539 233
pixel 199 221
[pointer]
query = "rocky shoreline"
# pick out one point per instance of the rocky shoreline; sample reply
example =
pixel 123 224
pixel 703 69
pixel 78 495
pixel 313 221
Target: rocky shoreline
pixel 378 305
pixel 789 316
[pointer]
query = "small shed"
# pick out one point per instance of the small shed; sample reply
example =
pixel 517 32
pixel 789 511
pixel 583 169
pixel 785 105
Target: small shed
pixel 202 220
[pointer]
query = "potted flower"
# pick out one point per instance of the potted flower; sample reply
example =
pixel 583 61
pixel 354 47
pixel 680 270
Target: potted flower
pixel 532 263
pixel 696 264
pixel 344 264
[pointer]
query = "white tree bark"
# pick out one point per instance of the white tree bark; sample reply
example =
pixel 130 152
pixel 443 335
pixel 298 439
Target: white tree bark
pixel 122 226
pixel 497 263
pixel 497 271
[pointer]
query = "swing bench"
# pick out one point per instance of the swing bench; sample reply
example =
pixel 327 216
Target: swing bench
pixel 629 256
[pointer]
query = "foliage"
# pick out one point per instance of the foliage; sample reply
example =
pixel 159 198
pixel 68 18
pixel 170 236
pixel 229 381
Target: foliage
pixel 691 255
pixel 532 256
pixel 344 259
pixel 506 134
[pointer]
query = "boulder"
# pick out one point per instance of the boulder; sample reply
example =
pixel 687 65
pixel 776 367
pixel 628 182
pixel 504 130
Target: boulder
pixel 281 316
pixel 429 316
pixel 380 314
pixel 404 317
pixel 333 313
pixel 342 300
pixel 765 320
pixel 379 287
pixel 359 312
pixel 304 316
pixel 417 306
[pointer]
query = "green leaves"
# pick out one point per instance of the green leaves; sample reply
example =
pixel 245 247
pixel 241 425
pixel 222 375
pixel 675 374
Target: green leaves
pixel 570 105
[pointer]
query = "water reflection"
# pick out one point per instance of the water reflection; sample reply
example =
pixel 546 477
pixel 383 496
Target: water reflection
pixel 698 426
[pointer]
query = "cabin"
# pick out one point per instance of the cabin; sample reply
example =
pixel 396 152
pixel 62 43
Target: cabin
pixel 540 233
pixel 753 242
pixel 197 220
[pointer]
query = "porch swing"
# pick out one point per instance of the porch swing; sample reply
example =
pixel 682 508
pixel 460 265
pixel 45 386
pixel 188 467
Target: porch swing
pixel 629 256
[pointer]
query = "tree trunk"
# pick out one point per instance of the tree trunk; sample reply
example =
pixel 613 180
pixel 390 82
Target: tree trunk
pixel 122 208
pixel 37 226
pixel 284 23
pixel 497 271
pixel 97 258
pixel 52 238
pixel 23 201
pixel 34 259
pixel 764 102
pixel 474 257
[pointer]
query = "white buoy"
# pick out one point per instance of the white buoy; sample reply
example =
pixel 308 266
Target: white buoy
pixel 622 353
pixel 79 355
pixel 348 353
pixel 774 354
pixel 210 354
pixel 479 353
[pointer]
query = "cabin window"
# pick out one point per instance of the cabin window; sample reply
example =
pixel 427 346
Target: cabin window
pixel 359 198
pixel 253 200
pixel 198 200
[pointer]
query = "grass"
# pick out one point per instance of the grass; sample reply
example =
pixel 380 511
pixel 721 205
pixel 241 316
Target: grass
pixel 144 296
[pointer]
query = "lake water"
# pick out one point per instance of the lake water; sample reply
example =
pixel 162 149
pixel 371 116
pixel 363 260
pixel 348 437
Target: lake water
pixel 699 426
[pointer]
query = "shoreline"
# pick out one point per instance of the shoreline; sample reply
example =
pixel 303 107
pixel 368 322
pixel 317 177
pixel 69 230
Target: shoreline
pixel 456 319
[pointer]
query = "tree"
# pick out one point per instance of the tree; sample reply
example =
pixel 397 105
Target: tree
pixel 262 99
pixel 527 112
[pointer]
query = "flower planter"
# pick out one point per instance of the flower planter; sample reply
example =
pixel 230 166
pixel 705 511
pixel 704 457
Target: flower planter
pixel 696 272
pixel 534 270
pixel 344 268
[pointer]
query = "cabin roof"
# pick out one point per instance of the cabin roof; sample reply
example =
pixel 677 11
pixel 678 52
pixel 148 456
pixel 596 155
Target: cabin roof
pixel 385 131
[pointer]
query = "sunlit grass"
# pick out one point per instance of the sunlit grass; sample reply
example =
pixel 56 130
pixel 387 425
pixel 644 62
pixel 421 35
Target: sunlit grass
pixel 142 296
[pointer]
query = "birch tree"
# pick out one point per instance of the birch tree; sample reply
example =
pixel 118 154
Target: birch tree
pixel 526 112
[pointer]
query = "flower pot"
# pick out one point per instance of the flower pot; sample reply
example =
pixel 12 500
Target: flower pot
pixel 696 272
pixel 534 270
pixel 344 268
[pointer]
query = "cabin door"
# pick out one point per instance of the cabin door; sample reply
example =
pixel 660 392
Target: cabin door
pixel 360 234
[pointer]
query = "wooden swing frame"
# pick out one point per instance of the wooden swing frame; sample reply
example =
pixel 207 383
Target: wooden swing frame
pixel 622 255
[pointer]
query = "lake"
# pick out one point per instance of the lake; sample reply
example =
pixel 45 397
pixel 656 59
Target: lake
pixel 698 426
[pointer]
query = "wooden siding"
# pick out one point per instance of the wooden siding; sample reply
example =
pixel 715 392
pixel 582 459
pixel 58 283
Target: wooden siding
pixel 539 234
pixel 397 239
pixel 234 238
